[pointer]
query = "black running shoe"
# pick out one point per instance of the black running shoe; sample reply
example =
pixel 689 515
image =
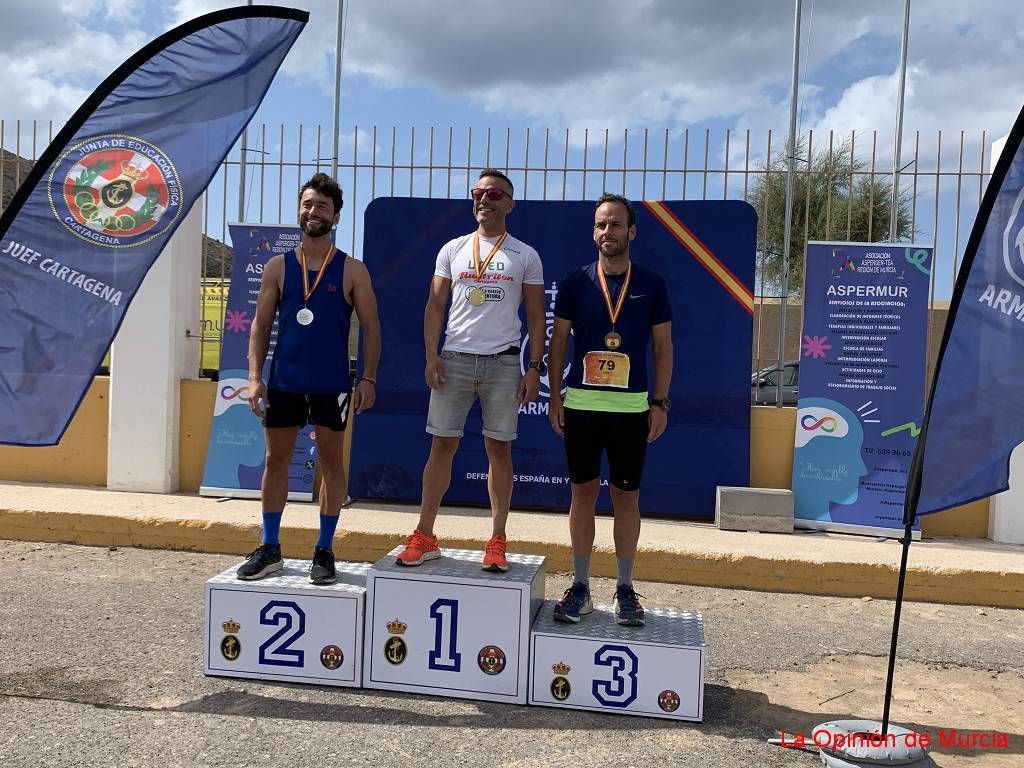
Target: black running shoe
pixel 574 603
pixel 321 570
pixel 265 560
pixel 628 610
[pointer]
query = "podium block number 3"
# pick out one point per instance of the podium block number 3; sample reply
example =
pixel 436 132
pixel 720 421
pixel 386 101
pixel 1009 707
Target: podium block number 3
pixel 277 651
pixel 445 656
pixel 620 691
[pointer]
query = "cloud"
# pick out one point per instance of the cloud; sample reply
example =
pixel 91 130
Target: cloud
pixel 599 64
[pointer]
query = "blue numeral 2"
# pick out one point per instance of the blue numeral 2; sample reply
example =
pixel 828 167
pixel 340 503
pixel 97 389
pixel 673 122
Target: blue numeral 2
pixel 277 651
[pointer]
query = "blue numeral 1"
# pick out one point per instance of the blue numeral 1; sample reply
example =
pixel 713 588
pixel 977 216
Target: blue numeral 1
pixel 444 656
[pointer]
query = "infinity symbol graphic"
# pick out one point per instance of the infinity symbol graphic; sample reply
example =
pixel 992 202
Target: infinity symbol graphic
pixel 827 424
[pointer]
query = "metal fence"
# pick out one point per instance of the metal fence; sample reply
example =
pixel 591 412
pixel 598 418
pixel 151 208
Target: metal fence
pixel 943 181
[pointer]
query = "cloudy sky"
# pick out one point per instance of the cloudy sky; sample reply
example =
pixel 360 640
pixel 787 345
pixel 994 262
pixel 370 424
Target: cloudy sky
pixel 666 65
pixel 578 63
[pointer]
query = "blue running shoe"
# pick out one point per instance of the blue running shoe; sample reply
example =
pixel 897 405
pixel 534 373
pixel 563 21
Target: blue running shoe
pixel 628 611
pixel 574 603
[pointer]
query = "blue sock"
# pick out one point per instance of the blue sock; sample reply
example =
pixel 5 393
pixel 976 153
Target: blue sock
pixel 328 524
pixel 272 528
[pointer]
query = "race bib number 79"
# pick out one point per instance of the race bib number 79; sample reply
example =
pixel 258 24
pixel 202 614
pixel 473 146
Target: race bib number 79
pixel 606 369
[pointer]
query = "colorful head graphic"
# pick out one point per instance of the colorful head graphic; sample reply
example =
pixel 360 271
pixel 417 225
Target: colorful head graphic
pixel 827 463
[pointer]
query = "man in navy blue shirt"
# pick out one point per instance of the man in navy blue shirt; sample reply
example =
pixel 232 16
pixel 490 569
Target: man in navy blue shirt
pixel 615 309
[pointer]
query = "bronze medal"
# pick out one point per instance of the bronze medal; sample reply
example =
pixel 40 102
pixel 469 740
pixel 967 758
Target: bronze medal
pixel 612 340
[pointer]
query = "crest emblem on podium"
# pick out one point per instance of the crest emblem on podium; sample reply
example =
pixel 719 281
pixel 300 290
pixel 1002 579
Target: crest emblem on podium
pixel 395 649
pixel 668 701
pixel 332 657
pixel 491 660
pixel 230 648
pixel 561 688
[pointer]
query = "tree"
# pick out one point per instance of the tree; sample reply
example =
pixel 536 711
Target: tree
pixel 836 198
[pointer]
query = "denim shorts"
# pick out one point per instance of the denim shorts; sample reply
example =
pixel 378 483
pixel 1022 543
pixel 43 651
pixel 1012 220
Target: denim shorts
pixel 492 378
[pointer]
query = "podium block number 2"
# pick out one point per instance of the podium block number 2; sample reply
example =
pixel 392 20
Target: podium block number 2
pixel 445 656
pixel 620 691
pixel 277 650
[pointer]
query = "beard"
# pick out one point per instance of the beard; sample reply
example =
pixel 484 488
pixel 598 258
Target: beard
pixel 315 229
pixel 613 250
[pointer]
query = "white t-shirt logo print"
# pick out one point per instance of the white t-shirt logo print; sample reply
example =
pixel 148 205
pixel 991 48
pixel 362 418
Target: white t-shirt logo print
pixel 493 325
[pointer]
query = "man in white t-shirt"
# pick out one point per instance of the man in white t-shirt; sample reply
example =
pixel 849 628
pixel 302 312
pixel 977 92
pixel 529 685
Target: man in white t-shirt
pixel 486 274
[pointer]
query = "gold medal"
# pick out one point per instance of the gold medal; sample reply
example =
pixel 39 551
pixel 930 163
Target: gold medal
pixel 613 340
pixel 476 296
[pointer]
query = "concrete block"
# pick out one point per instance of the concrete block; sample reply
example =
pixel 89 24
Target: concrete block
pixel 768 510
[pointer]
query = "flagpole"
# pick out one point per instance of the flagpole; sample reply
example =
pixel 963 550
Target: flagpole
pixel 898 140
pixel 337 87
pixel 788 226
pixel 241 166
pixel 890 674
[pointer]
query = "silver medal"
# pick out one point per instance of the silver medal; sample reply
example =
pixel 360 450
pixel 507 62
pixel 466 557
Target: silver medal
pixel 304 316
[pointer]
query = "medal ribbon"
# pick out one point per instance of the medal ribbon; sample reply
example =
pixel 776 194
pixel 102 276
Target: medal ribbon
pixel 306 290
pixel 614 313
pixel 477 268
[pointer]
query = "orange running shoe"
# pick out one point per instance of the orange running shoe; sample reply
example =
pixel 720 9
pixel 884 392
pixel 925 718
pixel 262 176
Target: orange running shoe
pixel 418 547
pixel 494 554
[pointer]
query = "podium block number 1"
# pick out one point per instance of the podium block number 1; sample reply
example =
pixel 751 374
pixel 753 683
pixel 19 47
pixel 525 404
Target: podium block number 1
pixel 620 691
pixel 445 655
pixel 277 650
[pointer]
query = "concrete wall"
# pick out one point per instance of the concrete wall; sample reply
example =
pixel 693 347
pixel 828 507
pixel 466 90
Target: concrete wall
pixel 80 459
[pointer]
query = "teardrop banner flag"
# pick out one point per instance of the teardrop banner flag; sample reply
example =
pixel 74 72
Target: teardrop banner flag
pixel 105 197
pixel 975 414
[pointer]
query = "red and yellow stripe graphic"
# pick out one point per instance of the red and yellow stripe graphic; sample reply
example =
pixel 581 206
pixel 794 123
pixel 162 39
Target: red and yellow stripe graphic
pixel 703 254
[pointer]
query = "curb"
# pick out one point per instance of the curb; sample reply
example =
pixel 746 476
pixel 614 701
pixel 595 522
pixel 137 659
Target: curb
pixel 841 579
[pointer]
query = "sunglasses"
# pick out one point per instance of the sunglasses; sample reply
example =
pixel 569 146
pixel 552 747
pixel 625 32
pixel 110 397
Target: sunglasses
pixel 491 193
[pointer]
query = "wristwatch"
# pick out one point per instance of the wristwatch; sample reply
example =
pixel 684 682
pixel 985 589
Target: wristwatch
pixel 662 402
pixel 540 365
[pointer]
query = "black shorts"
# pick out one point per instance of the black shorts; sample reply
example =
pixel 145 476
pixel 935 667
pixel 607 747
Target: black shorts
pixel 623 436
pixel 292 409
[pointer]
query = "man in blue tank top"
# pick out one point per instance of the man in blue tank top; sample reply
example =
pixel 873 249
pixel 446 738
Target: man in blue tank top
pixel 615 310
pixel 313 291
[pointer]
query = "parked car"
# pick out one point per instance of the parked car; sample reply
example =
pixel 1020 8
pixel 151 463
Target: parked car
pixel 764 384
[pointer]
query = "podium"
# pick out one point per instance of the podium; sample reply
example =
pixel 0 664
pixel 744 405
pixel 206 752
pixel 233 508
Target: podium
pixel 656 670
pixel 449 628
pixel 284 628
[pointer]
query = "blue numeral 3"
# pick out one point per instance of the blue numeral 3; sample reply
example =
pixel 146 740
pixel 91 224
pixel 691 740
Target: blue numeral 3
pixel 620 691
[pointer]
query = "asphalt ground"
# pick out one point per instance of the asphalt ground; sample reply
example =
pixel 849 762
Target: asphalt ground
pixel 101 665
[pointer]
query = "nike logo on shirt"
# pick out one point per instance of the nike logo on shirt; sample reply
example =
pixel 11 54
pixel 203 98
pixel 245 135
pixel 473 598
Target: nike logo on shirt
pixel 637 297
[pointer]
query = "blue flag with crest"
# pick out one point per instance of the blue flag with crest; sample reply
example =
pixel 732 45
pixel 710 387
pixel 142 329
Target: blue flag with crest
pixel 104 198
pixel 975 415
